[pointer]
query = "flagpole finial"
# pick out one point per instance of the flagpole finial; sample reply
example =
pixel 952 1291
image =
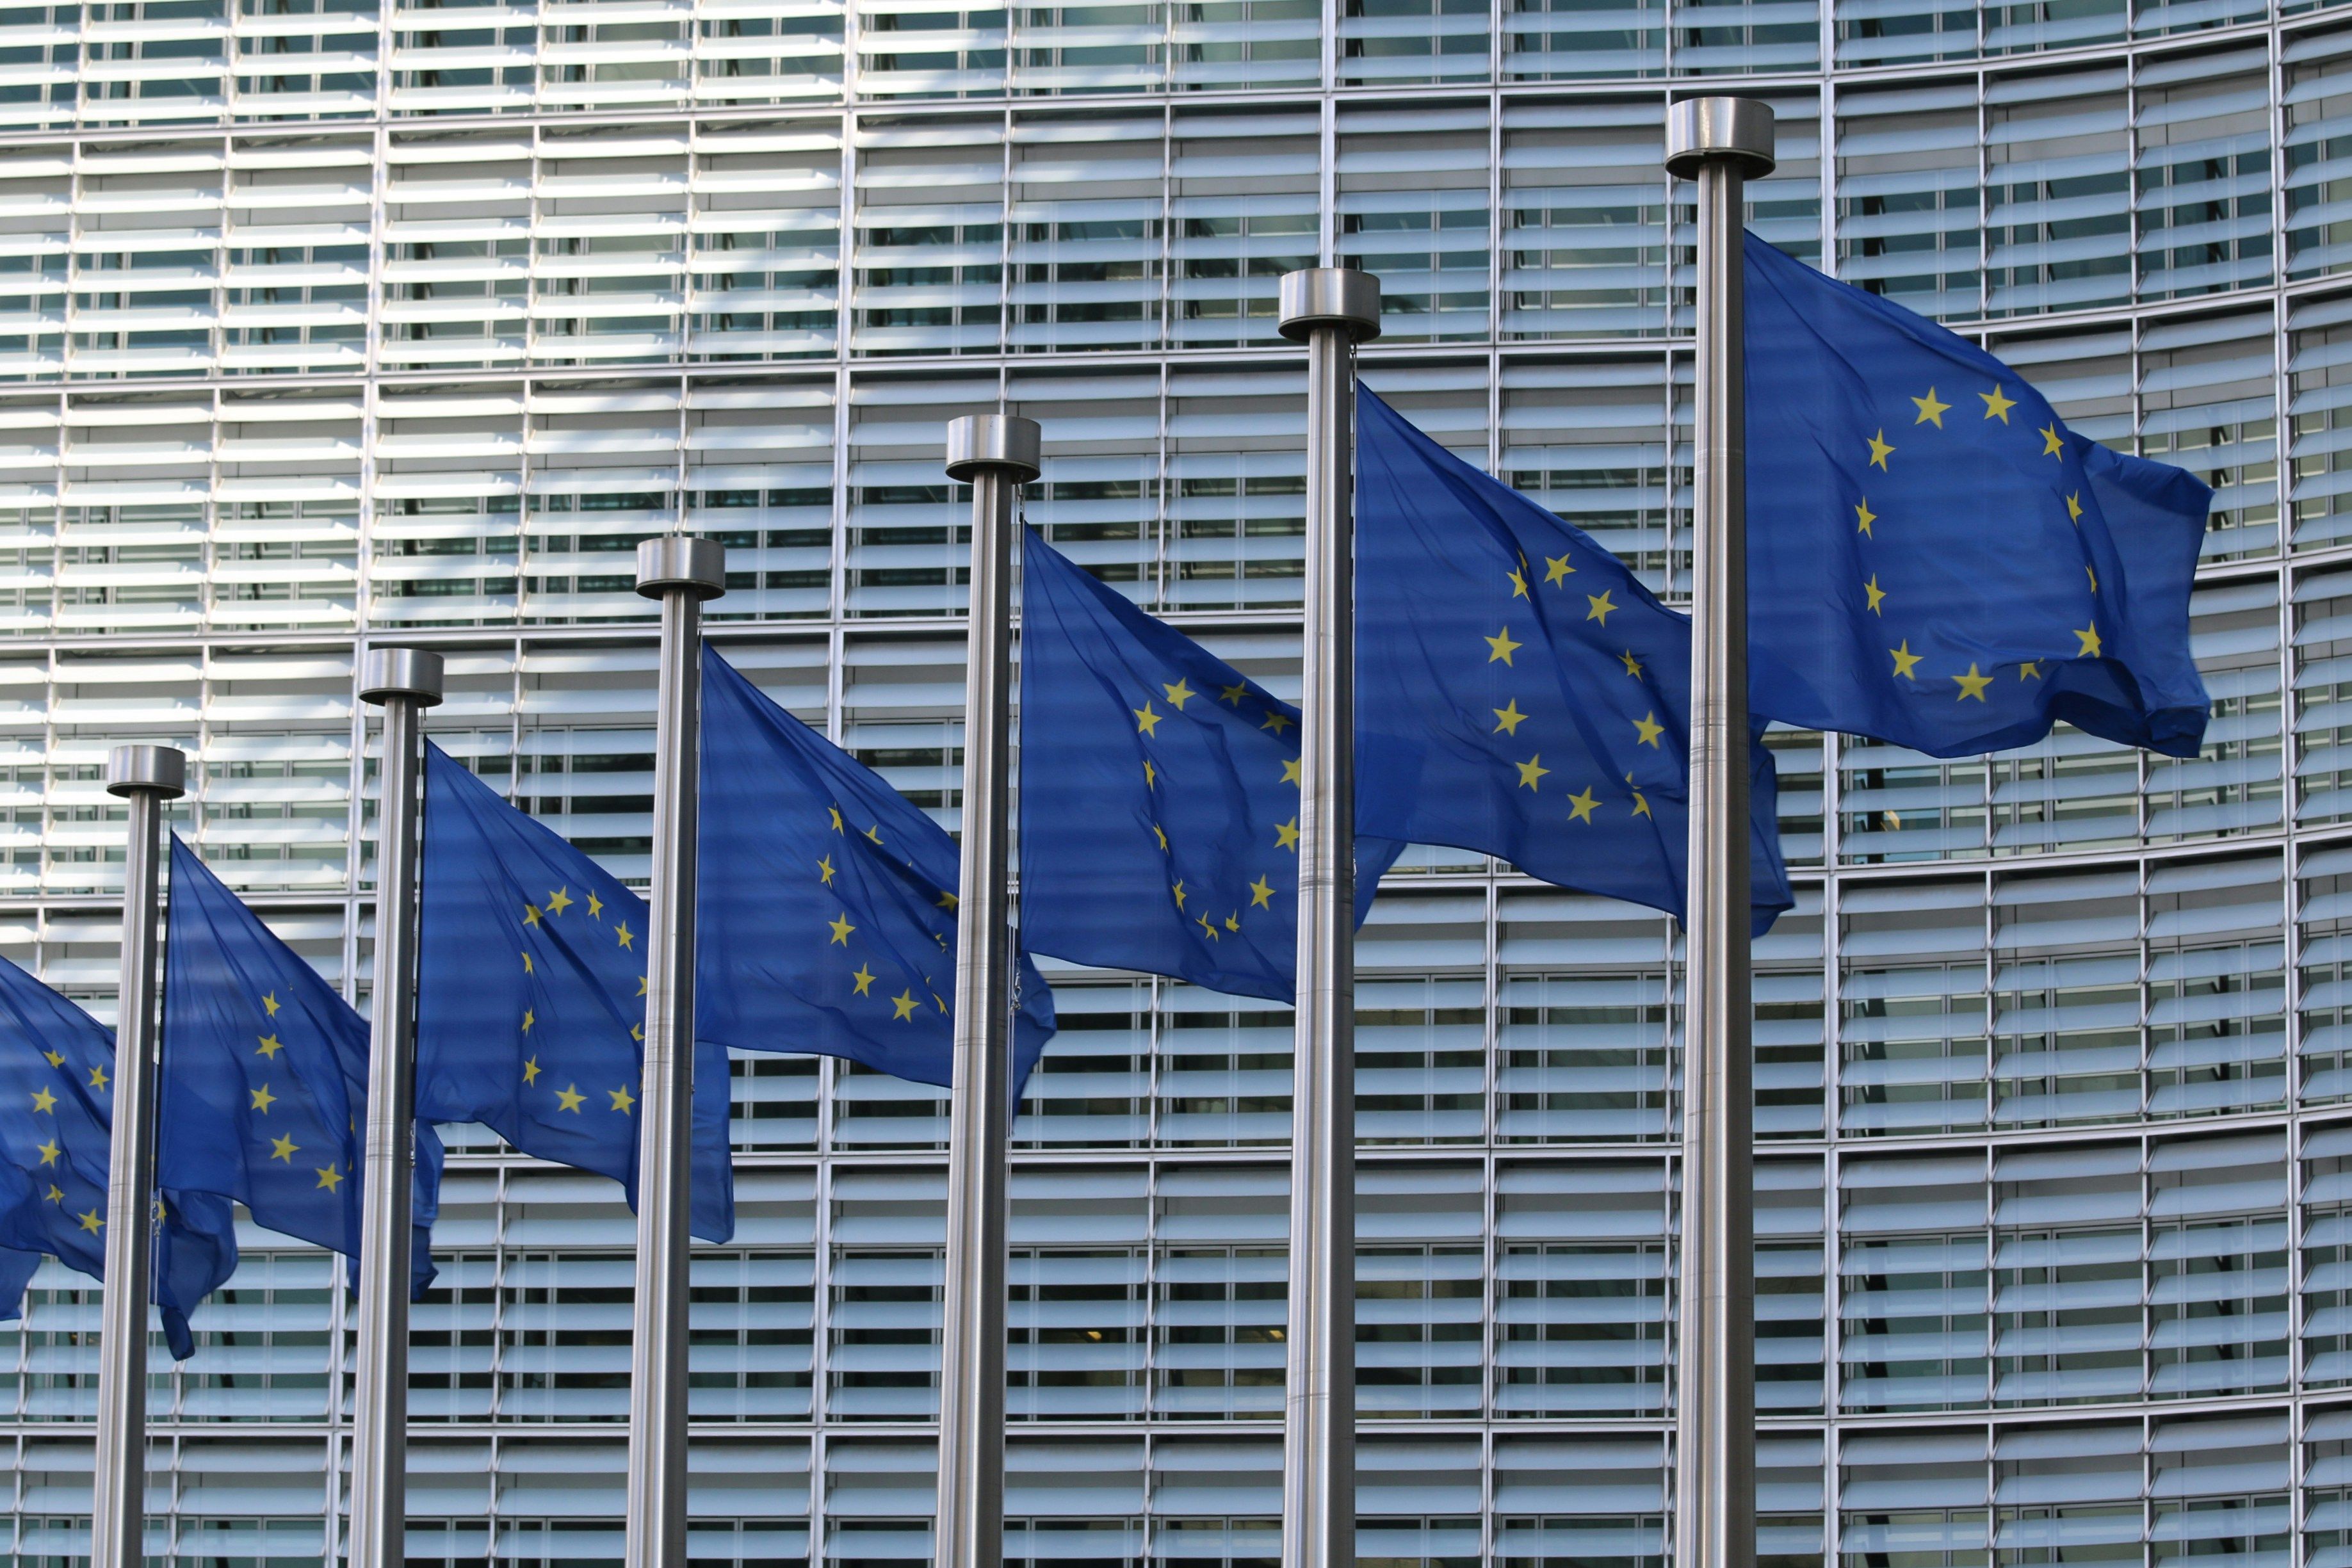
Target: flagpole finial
pixel 1338 297
pixel 680 560
pixel 1700 129
pixel 147 770
pixel 997 442
pixel 389 672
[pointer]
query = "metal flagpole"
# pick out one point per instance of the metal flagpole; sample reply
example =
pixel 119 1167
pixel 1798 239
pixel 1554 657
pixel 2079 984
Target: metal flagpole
pixel 1331 308
pixel 681 572
pixel 146 776
pixel 1719 142
pixel 997 454
pixel 404 682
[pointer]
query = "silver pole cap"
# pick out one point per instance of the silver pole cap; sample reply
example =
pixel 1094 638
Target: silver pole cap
pixel 1004 443
pixel 678 560
pixel 1736 130
pixel 1330 296
pixel 389 672
pixel 160 771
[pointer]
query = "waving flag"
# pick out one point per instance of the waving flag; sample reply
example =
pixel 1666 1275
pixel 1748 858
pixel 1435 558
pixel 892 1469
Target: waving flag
pixel 1933 560
pixel 530 998
pixel 827 909
pixel 262 1096
pixel 1159 796
pixel 1517 691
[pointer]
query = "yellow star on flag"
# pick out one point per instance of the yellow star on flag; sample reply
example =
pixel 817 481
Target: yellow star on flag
pixel 530 1071
pixel 1500 647
pixel 1508 719
pixel 1234 921
pixel 1972 685
pixel 825 872
pixel 1518 583
pixel 263 1098
pixel 270 1047
pixel 1601 605
pixel 1530 770
pixel 1877 594
pixel 841 928
pixel 1649 728
pixel 2075 507
pixel 1998 403
pixel 45 1101
pixel 2089 638
pixel 1632 665
pixel 1208 930
pixel 1178 889
pixel 526 964
pixel 1863 517
pixel 1879 450
pixel 2053 444
pixel 904 1004
pixel 863 979
pixel 1146 717
pixel 1285 835
pixel 1930 411
pixel 1274 720
pixel 835 812
pixel 529 1018
pixel 329 1176
pixel 1291 771
pixel 2094 577
pixel 284 1148
pixel 1234 692
pixel 622 1099
pixel 1556 570
pixel 1150 775
pixel 596 907
pixel 2030 671
pixel 54 1058
pixel 1905 660
pixel 530 915
pixel 97 1078
pixel 560 900
pixel 1179 694
pixel 1261 895
pixel 90 1222
pixel 569 1098
pixel 627 937
pixel 1580 805
pixel 49 1152
pixel 56 1193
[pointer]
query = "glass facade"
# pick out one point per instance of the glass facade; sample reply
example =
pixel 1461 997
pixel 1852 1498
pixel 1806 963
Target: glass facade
pixel 329 319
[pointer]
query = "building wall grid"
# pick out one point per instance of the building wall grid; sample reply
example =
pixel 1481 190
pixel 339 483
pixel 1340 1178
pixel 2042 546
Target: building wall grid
pixel 322 321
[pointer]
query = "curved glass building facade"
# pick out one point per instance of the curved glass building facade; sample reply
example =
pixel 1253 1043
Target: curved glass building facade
pixel 323 320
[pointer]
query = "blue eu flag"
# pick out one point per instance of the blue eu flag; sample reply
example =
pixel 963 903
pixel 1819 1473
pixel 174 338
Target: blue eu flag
pixel 1933 560
pixel 826 920
pixel 56 1112
pixel 531 1002
pixel 56 1107
pixel 262 1096
pixel 1518 692
pixel 1159 796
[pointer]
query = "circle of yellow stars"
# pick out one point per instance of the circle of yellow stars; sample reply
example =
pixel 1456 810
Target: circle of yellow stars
pixel 1500 649
pixel 905 1006
pixel 554 907
pixel 1271 718
pixel 1931 410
